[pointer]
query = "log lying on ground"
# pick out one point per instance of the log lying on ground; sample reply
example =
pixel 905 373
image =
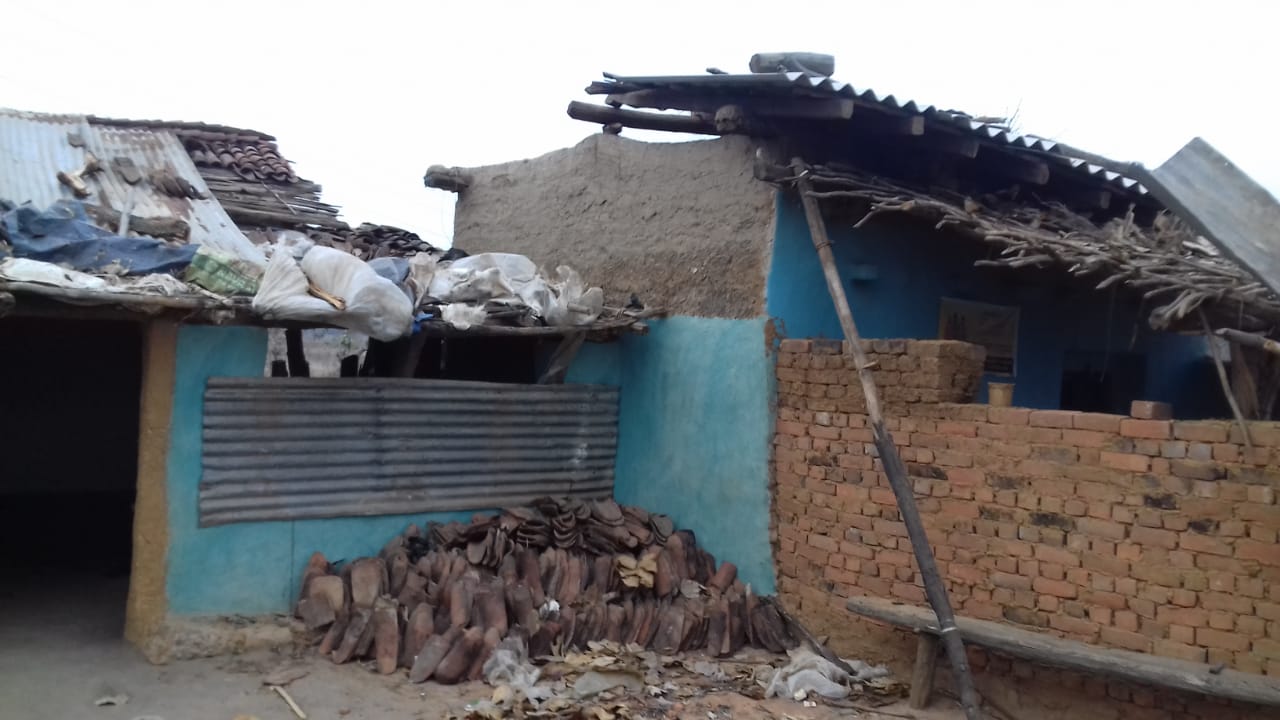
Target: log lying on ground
pixel 562 573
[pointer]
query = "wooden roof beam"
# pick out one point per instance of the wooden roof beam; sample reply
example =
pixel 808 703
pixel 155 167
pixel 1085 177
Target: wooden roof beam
pixel 883 123
pixel 607 116
pixel 787 106
pixel 947 142
pixel 1015 167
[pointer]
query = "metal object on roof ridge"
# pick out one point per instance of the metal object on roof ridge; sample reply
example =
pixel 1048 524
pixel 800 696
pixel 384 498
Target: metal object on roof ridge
pixel 179 125
pixel 824 86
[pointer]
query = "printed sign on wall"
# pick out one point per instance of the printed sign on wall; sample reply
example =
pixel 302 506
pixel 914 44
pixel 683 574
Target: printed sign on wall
pixel 994 327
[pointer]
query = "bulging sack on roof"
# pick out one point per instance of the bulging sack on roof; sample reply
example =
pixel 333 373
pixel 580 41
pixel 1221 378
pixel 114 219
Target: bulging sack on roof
pixel 511 279
pixel 333 287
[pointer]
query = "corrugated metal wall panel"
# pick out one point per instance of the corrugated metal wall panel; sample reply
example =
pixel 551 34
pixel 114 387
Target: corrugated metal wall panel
pixel 292 448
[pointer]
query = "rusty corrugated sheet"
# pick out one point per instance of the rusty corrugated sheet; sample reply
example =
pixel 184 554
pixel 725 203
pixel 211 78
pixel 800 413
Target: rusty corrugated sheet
pixel 34 147
pixel 1224 204
pixel 281 448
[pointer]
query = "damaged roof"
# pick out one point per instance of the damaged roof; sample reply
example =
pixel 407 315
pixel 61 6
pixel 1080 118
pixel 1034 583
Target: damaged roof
pixel 805 106
pixel 246 172
pixel 35 147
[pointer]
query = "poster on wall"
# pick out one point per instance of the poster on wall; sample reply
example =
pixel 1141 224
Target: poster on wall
pixel 994 327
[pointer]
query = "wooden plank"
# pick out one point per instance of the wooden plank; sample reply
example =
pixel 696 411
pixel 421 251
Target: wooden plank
pixel 605 115
pixel 923 671
pixel 894 469
pixel 296 354
pixel 1071 655
pixel 947 142
pixel 1222 203
pixel 794 107
pixel 884 123
pixel 1016 167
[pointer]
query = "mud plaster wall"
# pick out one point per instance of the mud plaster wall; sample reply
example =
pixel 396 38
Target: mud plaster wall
pixel 147 602
pixel 684 226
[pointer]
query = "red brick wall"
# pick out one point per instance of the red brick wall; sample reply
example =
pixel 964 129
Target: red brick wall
pixel 1148 535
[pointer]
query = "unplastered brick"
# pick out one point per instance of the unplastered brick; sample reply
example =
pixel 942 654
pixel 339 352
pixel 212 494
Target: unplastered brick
pixel 1158 534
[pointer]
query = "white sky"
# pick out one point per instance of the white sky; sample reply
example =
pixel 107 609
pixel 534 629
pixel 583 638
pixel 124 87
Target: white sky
pixel 364 96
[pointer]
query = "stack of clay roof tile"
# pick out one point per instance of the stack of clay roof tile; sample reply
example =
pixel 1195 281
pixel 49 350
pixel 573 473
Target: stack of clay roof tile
pixel 251 157
pixel 561 573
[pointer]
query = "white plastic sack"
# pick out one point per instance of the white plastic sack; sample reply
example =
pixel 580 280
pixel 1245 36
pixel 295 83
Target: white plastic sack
pixel 375 306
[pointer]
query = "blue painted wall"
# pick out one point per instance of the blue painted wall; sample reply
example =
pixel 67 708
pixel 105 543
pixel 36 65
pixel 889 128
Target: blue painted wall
pixel 695 430
pixel 914 266
pixel 243 568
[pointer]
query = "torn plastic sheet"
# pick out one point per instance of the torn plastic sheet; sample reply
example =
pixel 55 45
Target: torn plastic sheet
pixel 510 279
pixel 811 674
pixel 43 273
pixel 64 235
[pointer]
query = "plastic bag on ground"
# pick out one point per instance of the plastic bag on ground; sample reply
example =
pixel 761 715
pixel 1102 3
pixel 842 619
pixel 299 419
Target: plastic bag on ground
pixel 374 305
pixel 509 665
pixel 809 673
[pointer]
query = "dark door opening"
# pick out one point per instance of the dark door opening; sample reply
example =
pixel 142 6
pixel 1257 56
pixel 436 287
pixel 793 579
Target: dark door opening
pixel 1097 382
pixel 69 405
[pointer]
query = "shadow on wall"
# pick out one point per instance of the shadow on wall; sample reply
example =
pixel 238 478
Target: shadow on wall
pixel 897 271
pixel 695 431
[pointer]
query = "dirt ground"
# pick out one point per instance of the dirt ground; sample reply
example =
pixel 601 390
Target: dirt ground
pixel 60 650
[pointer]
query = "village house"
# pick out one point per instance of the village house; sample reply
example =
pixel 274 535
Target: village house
pixel 148 434
pixel 1041 323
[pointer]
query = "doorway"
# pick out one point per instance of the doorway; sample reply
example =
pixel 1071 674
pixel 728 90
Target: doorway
pixel 69 405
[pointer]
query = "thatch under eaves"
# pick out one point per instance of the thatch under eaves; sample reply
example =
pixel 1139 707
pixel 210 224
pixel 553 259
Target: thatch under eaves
pixel 1177 273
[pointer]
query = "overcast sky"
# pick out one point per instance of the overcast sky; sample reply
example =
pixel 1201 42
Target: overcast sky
pixel 363 96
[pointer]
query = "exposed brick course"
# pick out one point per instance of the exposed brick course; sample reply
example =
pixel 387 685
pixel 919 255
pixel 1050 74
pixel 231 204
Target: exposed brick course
pixel 1146 534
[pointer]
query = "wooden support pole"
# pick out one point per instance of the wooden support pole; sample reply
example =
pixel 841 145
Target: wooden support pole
pixel 894 468
pixel 296 354
pixel 922 673
pixel 1224 382
pixel 1249 340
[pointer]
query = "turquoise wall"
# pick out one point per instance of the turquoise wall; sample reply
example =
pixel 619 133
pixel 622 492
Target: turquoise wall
pixel 695 430
pixel 905 268
pixel 243 568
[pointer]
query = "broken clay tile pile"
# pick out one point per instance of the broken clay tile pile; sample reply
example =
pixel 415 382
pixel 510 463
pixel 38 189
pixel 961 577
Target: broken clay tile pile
pixel 561 573
pixel 369 241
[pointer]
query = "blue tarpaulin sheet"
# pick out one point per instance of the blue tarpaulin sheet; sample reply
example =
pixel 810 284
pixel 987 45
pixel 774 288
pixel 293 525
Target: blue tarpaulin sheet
pixel 64 235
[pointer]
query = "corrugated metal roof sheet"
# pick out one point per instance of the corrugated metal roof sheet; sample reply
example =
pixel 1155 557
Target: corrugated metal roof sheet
pixel 287 448
pixel 34 148
pixel 793 83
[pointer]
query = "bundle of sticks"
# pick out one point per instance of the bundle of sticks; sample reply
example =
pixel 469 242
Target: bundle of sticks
pixel 559 574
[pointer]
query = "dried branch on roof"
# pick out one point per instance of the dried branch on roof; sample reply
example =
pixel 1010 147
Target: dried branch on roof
pixel 1174 269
